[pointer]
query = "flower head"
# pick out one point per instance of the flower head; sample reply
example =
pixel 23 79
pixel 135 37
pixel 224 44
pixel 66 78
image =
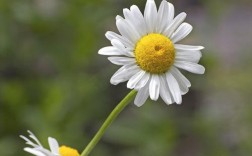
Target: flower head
pixel 38 150
pixel 149 54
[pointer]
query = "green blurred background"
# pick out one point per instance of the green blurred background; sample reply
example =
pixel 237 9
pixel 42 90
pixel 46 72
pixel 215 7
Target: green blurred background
pixel 53 82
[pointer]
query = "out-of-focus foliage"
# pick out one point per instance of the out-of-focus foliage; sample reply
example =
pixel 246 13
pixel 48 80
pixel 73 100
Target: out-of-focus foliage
pixel 53 82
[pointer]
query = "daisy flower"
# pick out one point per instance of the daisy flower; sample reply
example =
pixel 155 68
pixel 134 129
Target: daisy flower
pixel 147 49
pixel 38 150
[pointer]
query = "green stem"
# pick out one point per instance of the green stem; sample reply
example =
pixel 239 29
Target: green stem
pixel 107 122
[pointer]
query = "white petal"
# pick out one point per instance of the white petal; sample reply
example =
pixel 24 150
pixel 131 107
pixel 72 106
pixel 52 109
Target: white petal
pixel 135 19
pixel 28 141
pixel 165 16
pixel 190 66
pixel 183 30
pixel 54 146
pixel 111 35
pixel 165 91
pixel 124 74
pixel 162 16
pixel 119 17
pixel 127 15
pixel 170 11
pixel 154 87
pixel 25 138
pixel 174 24
pixel 142 95
pixel 136 79
pixel 122 49
pixel 110 50
pixel 139 22
pixel 34 138
pixel 182 85
pixel 34 151
pixel 150 15
pixel 47 152
pixel 174 88
pixel 187 47
pixel 129 23
pixel 127 30
pixel 121 60
pixel 143 81
pixel 176 72
pixel 190 56
pixel 116 43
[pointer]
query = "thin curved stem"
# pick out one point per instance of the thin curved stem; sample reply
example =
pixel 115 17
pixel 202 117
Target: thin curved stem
pixel 108 122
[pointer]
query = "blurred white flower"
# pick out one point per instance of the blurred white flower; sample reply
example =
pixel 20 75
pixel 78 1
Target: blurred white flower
pixel 38 150
pixel 148 52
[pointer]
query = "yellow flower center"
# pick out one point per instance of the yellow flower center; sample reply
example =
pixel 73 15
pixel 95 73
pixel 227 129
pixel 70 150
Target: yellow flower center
pixel 67 151
pixel 155 53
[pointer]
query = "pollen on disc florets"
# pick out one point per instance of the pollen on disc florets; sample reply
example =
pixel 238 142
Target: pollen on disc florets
pixel 155 53
pixel 67 151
